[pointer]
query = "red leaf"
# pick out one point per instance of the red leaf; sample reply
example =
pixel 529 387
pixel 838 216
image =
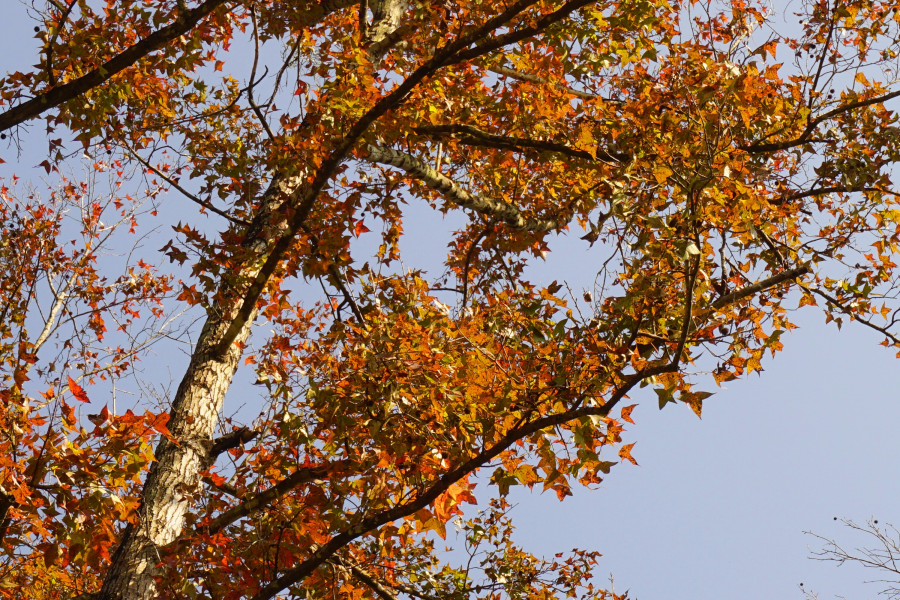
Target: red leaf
pixel 78 391
pixel 158 424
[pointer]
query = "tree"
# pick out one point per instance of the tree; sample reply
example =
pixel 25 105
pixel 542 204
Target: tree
pixel 709 179
pixel 882 556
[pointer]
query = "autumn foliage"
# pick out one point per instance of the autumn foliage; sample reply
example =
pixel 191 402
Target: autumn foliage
pixel 724 169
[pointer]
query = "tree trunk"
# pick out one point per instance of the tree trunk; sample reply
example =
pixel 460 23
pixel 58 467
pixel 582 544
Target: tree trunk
pixel 176 473
pixel 192 420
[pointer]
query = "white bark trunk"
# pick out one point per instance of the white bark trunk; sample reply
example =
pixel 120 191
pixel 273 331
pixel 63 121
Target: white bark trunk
pixel 195 409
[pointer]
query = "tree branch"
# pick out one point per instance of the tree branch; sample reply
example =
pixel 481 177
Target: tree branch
pixel 750 290
pixel 804 137
pixel 490 207
pixel 830 190
pixel 507 72
pixel 231 440
pixel 222 487
pixel 6 502
pixel 835 303
pixel 517 35
pixel 186 193
pixel 60 26
pixel 57 95
pixel 374 584
pixel 267 497
pixel 476 137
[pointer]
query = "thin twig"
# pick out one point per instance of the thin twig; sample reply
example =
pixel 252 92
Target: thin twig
pixel 186 193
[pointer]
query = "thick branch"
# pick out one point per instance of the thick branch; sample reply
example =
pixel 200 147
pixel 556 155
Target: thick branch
pixel 96 77
pixel 476 137
pixel 750 290
pixel 231 440
pixel 271 495
pixel 326 551
pixel 507 72
pixel 490 207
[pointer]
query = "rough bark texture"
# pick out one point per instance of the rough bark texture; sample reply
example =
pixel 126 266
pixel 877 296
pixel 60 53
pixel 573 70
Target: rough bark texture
pixel 195 410
pixel 175 476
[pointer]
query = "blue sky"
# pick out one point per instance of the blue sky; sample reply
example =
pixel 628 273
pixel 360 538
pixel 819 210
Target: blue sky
pixel 717 507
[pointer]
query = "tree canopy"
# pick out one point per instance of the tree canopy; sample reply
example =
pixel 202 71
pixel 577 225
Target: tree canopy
pixel 723 172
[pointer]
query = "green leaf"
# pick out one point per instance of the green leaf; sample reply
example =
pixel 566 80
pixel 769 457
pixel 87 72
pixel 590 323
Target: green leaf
pixel 665 396
pixel 605 465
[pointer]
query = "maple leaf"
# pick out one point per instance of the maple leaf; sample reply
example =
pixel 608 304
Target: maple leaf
pixel 387 390
pixel 360 228
pixel 78 391
pixel 625 453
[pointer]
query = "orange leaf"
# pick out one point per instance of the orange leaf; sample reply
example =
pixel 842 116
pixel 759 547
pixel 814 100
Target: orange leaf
pixel 78 391
pixel 626 413
pixel 68 414
pixel 625 453
pixel 158 424
pixel 360 229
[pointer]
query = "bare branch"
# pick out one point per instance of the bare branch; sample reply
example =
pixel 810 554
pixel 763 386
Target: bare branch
pixel 184 192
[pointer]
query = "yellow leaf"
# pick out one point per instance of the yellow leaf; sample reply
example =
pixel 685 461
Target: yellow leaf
pixel 662 173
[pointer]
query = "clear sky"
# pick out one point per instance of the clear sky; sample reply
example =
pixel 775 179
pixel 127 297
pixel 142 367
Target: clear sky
pixel 717 507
